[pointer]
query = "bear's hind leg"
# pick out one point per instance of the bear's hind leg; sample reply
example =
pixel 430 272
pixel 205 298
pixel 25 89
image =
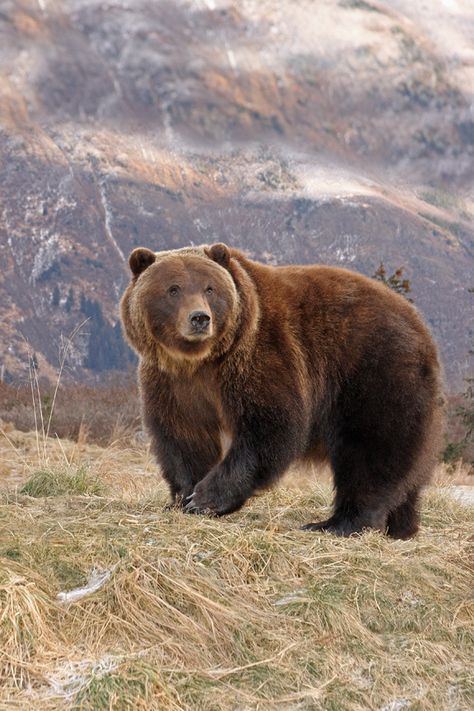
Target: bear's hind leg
pixel 366 490
pixel 350 521
pixel 382 450
pixel 403 521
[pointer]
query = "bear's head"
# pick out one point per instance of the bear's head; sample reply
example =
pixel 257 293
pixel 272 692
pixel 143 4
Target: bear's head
pixel 181 303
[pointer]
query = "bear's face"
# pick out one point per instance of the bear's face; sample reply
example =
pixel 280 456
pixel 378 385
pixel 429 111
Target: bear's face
pixel 187 300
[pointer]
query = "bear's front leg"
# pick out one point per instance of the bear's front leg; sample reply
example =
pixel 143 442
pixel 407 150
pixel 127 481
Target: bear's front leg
pixel 226 488
pixel 261 452
pixel 183 465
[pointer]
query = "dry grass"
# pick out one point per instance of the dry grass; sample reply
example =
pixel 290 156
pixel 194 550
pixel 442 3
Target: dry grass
pixel 100 413
pixel 110 413
pixel 245 612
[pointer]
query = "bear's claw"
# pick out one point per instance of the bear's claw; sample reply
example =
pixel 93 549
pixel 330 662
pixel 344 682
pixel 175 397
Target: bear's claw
pixel 192 507
pixel 343 528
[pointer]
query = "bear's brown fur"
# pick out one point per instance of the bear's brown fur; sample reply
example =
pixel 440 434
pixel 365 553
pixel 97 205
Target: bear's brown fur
pixel 246 368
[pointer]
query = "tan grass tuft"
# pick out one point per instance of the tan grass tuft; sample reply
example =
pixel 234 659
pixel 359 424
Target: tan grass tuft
pixel 27 624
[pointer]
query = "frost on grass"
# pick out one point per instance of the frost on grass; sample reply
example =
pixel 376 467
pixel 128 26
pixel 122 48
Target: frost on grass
pixel 71 677
pixel 110 682
pixel 295 596
pixel 463 494
pixel 95 581
pixel 396 705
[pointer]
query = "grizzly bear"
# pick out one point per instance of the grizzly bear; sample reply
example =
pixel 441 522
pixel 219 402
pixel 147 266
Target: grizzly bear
pixel 246 368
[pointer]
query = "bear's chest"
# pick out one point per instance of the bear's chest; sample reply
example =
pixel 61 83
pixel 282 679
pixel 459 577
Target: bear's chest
pixel 199 408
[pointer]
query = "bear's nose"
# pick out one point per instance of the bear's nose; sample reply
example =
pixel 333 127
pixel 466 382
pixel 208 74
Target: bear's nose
pixel 199 320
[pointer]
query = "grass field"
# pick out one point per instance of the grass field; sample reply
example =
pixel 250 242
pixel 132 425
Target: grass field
pixel 107 601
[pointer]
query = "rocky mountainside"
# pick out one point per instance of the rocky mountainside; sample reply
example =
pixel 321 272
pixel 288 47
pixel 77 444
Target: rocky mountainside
pixel 334 131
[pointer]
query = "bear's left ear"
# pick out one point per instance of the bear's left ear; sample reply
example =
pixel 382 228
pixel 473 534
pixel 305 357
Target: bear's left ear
pixel 140 259
pixel 219 253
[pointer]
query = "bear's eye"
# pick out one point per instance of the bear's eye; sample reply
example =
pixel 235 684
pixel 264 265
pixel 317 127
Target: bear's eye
pixel 173 290
pixel 209 290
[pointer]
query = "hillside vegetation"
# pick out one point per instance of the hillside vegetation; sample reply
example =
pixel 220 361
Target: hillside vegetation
pixel 109 601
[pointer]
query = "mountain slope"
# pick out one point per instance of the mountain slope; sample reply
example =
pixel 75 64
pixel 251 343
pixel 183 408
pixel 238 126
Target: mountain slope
pixel 339 132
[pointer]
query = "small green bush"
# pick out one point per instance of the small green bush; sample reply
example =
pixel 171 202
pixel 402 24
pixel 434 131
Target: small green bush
pixel 59 482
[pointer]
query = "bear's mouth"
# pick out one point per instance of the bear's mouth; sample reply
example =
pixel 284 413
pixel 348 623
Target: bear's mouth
pixel 197 335
pixel 194 345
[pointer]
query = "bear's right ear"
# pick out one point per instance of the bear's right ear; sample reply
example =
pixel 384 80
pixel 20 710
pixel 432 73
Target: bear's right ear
pixel 219 253
pixel 140 259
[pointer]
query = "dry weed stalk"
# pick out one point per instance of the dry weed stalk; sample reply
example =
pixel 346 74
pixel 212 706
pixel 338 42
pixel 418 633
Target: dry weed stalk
pixel 43 415
pixel 64 351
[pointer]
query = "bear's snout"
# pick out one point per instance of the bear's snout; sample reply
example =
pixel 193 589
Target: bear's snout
pixel 200 321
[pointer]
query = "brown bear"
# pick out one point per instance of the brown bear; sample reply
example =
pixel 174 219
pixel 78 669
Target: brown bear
pixel 247 368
